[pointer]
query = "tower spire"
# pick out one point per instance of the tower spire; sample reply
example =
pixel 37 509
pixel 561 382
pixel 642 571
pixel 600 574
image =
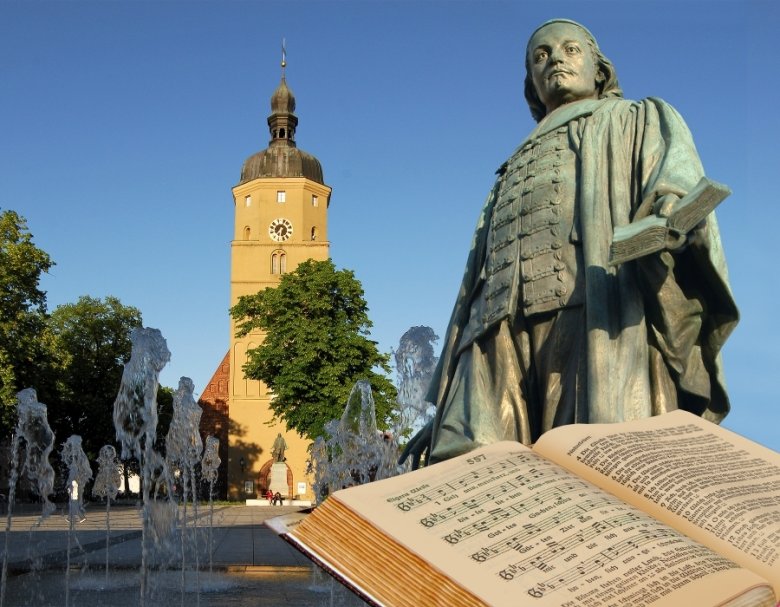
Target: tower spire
pixel 284 57
pixel 282 121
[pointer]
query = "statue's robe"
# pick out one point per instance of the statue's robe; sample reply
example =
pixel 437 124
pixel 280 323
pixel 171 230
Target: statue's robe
pixel 653 328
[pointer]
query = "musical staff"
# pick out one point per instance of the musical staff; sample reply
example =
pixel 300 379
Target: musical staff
pixel 533 531
pixel 484 474
pixel 595 562
pixel 522 516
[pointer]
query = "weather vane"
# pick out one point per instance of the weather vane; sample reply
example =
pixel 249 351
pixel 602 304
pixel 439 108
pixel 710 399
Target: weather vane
pixel 284 56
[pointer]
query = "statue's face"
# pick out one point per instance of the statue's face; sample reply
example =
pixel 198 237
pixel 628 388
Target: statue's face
pixel 563 68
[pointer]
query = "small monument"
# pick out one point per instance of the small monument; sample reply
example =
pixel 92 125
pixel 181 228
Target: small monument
pixel 278 482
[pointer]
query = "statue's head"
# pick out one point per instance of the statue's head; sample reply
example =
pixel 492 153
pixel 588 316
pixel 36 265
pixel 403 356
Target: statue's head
pixel 563 63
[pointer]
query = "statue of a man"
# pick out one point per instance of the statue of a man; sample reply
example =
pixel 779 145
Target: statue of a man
pixel 544 331
pixel 279 447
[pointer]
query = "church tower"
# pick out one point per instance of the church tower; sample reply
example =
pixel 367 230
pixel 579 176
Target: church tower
pixel 281 205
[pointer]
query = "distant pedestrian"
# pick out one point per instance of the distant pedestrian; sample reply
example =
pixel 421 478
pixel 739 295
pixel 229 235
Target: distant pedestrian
pixel 278 497
pixel 269 496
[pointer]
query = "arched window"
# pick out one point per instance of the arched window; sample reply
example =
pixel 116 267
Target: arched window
pixel 314 233
pixel 278 262
pixel 247 232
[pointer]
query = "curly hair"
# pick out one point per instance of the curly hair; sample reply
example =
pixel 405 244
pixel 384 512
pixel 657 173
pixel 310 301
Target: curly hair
pixel 607 87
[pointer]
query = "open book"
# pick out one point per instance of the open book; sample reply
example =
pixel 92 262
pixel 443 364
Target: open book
pixel 653 233
pixel 667 511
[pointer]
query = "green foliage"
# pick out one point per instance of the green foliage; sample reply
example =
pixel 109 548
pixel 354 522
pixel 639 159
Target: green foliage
pixel 90 340
pixel 74 358
pixel 316 346
pixel 23 352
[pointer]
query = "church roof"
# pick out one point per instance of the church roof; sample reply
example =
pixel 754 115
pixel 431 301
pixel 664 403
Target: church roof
pixel 282 162
pixel 282 158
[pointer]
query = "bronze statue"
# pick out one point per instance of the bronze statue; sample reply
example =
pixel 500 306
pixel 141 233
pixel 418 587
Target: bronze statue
pixel 278 449
pixel 545 332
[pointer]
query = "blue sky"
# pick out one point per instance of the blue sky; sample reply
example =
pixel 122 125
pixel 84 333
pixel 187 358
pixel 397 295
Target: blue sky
pixel 124 125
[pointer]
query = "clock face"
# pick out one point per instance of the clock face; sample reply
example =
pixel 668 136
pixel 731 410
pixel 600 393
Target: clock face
pixel 280 230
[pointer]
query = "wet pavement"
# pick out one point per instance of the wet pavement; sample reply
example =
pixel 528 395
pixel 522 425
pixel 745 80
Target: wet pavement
pixel 237 561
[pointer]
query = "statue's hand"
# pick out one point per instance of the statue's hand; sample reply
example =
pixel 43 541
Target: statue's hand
pixel 419 444
pixel 665 204
pixel 663 207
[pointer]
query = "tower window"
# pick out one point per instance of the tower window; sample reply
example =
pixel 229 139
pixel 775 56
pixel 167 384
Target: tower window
pixel 247 233
pixel 278 262
pixel 281 133
pixel 314 233
pixel 315 201
pixel 248 201
pixel 281 196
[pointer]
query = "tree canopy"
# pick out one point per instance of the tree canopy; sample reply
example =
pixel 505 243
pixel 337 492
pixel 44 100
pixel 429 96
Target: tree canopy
pixel 316 346
pixel 23 356
pixel 73 357
pixel 91 344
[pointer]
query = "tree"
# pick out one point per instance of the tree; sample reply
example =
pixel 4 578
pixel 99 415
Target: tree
pixel 91 342
pixel 24 356
pixel 316 346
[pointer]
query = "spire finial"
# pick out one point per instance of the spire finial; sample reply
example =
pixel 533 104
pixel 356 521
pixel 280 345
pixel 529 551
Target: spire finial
pixel 284 56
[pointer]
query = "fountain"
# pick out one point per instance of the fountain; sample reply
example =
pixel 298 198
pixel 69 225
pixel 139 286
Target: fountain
pixel 33 428
pixel 135 420
pixel 209 469
pixel 79 473
pixel 354 451
pixel 414 363
pixel 355 446
pixel 183 447
pixel 107 486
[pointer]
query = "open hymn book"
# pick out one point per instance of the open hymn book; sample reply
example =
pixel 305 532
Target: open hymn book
pixel 667 511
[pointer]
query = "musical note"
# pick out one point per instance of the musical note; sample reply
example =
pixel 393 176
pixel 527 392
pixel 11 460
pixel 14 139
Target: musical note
pixel 517 520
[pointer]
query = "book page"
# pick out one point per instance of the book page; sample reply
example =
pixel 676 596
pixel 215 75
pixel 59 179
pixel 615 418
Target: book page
pixel 515 528
pixel 714 485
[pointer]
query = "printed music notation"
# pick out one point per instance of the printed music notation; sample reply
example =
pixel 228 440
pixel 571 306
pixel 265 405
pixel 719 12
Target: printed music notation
pixel 480 474
pixel 471 480
pixel 540 559
pixel 533 531
pixel 507 490
pixel 525 516
pixel 594 563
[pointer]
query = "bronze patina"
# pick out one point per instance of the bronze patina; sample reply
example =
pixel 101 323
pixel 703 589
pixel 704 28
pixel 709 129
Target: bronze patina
pixel 278 449
pixel 545 332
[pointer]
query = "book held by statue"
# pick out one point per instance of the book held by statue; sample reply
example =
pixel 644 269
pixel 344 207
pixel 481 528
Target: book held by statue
pixel 667 511
pixel 653 233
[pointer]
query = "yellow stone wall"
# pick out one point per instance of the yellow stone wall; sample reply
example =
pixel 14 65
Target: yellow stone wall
pixel 256 206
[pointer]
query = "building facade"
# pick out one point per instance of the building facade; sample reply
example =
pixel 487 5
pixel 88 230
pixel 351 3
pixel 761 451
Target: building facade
pixel 281 211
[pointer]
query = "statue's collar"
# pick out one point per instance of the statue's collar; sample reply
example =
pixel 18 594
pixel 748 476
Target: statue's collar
pixel 563 115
